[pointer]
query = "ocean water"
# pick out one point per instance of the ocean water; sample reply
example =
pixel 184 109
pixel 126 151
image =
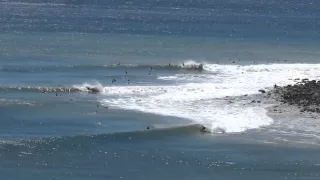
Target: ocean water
pixel 163 70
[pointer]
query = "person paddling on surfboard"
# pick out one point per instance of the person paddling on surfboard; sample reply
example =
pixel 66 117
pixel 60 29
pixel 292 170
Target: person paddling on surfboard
pixel 93 90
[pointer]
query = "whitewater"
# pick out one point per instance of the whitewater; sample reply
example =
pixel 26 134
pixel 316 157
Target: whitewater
pixel 200 97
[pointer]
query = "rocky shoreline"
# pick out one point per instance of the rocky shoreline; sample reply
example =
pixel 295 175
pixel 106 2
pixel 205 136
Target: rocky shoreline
pixel 305 95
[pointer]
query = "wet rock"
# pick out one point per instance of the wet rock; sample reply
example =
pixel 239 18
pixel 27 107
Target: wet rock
pixel 304 94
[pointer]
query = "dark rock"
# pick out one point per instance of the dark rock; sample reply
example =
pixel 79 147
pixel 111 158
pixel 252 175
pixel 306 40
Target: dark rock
pixel 258 101
pixel 304 94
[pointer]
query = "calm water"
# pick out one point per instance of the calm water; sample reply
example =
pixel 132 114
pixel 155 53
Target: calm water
pixel 159 64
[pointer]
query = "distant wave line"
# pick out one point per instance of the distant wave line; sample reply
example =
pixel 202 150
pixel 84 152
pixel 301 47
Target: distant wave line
pixel 38 89
pixel 197 67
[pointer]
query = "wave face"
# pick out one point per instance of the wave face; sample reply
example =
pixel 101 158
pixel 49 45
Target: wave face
pixel 199 97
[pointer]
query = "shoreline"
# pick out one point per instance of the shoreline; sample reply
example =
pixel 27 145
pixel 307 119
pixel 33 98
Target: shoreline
pixel 300 104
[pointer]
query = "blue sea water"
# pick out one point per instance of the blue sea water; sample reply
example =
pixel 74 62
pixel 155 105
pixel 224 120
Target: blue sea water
pixel 165 65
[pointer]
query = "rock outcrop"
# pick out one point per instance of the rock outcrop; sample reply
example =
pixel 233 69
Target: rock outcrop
pixel 304 94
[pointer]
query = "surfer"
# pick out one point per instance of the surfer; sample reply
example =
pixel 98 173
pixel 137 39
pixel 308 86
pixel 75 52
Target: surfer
pixel 94 90
pixel 204 129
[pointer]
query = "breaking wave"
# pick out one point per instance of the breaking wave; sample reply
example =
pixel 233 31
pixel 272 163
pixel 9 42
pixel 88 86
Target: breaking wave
pixel 187 66
pixel 201 97
pixel 38 89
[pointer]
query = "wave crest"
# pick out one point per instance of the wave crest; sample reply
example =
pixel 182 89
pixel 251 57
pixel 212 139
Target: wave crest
pixel 94 87
pixel 189 65
pixel 38 89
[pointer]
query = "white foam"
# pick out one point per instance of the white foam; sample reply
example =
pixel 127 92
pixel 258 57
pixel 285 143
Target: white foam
pixel 261 68
pixel 197 97
pixel 190 63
